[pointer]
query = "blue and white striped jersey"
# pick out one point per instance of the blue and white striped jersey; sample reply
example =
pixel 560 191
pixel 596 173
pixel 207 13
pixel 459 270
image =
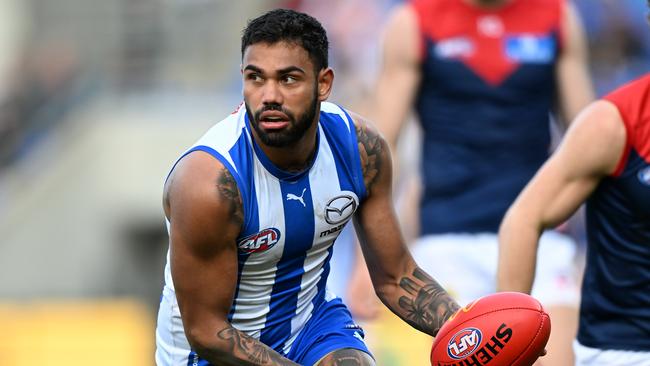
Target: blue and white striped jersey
pixel 290 224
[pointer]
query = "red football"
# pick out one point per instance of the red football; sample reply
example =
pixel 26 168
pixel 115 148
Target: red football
pixel 502 329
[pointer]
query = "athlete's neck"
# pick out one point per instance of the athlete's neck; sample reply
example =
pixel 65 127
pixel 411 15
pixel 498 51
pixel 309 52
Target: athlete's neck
pixel 295 158
pixel 488 4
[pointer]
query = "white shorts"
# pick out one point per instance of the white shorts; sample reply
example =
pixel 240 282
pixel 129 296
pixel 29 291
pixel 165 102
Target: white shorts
pixel 587 356
pixel 465 265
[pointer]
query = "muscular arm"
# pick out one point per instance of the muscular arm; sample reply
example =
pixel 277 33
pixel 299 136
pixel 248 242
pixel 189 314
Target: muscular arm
pixel 400 284
pixel 590 150
pixel 204 207
pixel 395 90
pixel 399 75
pixel 574 85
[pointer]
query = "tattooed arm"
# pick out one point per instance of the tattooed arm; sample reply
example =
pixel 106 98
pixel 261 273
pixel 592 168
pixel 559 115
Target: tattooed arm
pixel 400 284
pixel 204 207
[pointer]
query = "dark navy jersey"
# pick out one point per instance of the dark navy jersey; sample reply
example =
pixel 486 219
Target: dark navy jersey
pixel 488 84
pixel 615 310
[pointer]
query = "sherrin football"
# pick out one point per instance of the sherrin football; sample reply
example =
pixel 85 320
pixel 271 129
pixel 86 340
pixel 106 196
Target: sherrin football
pixel 502 329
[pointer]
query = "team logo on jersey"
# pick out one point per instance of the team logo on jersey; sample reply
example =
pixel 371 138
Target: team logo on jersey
pixel 260 241
pixel 644 175
pixel 291 196
pixel 464 343
pixel 340 208
pixel 490 26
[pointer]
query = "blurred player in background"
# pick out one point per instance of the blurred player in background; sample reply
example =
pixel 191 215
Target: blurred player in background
pixel 483 77
pixel 255 206
pixel 604 160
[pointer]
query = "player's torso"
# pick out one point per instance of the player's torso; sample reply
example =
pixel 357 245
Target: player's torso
pixel 290 224
pixel 616 287
pixel 487 86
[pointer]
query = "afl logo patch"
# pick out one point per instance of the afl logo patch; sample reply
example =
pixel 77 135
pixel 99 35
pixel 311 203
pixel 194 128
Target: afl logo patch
pixel 464 343
pixel 644 175
pixel 260 241
pixel 340 208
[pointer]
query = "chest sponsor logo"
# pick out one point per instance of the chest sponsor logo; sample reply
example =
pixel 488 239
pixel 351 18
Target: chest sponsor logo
pixel 260 241
pixel 339 209
pixel 530 48
pixel 644 176
pixel 457 47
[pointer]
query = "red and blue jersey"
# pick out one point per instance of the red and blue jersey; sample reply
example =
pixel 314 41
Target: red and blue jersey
pixel 487 88
pixel 615 310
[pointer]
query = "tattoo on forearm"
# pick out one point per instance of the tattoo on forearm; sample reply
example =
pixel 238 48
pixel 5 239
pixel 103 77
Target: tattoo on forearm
pixel 253 350
pixel 427 305
pixel 345 357
pixel 371 148
pixel 228 189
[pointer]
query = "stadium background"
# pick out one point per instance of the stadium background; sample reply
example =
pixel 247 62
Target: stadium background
pixel 97 98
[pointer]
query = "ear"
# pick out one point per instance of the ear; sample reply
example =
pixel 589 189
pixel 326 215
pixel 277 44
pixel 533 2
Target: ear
pixel 325 81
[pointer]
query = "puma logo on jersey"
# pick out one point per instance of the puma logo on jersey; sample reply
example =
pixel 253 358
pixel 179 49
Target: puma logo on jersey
pixel 291 196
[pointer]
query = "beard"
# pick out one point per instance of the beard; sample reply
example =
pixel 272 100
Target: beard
pixel 298 126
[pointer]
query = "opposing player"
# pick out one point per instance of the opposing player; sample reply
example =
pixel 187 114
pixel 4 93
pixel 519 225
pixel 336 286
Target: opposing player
pixel 604 160
pixel 483 77
pixel 255 206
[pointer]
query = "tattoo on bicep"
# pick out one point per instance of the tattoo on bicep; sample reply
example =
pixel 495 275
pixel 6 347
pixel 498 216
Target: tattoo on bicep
pixel 255 351
pixel 228 189
pixel 371 148
pixel 427 305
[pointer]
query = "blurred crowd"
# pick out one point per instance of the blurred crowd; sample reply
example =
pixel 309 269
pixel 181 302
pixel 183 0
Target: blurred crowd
pixel 175 44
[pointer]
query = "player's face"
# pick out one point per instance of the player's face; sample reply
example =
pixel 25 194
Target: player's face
pixel 282 92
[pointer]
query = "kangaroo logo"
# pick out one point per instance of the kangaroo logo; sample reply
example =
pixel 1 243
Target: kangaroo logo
pixel 291 196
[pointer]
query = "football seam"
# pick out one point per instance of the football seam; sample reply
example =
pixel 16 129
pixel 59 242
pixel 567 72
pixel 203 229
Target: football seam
pixel 539 330
pixel 498 310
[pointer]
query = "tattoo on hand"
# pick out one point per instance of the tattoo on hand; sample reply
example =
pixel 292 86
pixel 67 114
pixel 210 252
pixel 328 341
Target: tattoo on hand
pixel 371 147
pixel 228 189
pixel 427 305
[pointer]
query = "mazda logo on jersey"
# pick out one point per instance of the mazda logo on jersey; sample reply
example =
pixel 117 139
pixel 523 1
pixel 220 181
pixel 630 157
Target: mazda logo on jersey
pixel 260 241
pixel 340 208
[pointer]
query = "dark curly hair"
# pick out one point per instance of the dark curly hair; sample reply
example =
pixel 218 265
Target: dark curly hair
pixel 289 26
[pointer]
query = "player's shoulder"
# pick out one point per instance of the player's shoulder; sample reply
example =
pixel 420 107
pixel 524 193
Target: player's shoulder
pixel 207 163
pixel 362 126
pixel 601 115
pixel 631 101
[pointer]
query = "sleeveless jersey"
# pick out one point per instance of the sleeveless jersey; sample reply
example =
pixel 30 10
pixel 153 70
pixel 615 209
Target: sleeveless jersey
pixel 615 309
pixel 291 222
pixel 487 87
